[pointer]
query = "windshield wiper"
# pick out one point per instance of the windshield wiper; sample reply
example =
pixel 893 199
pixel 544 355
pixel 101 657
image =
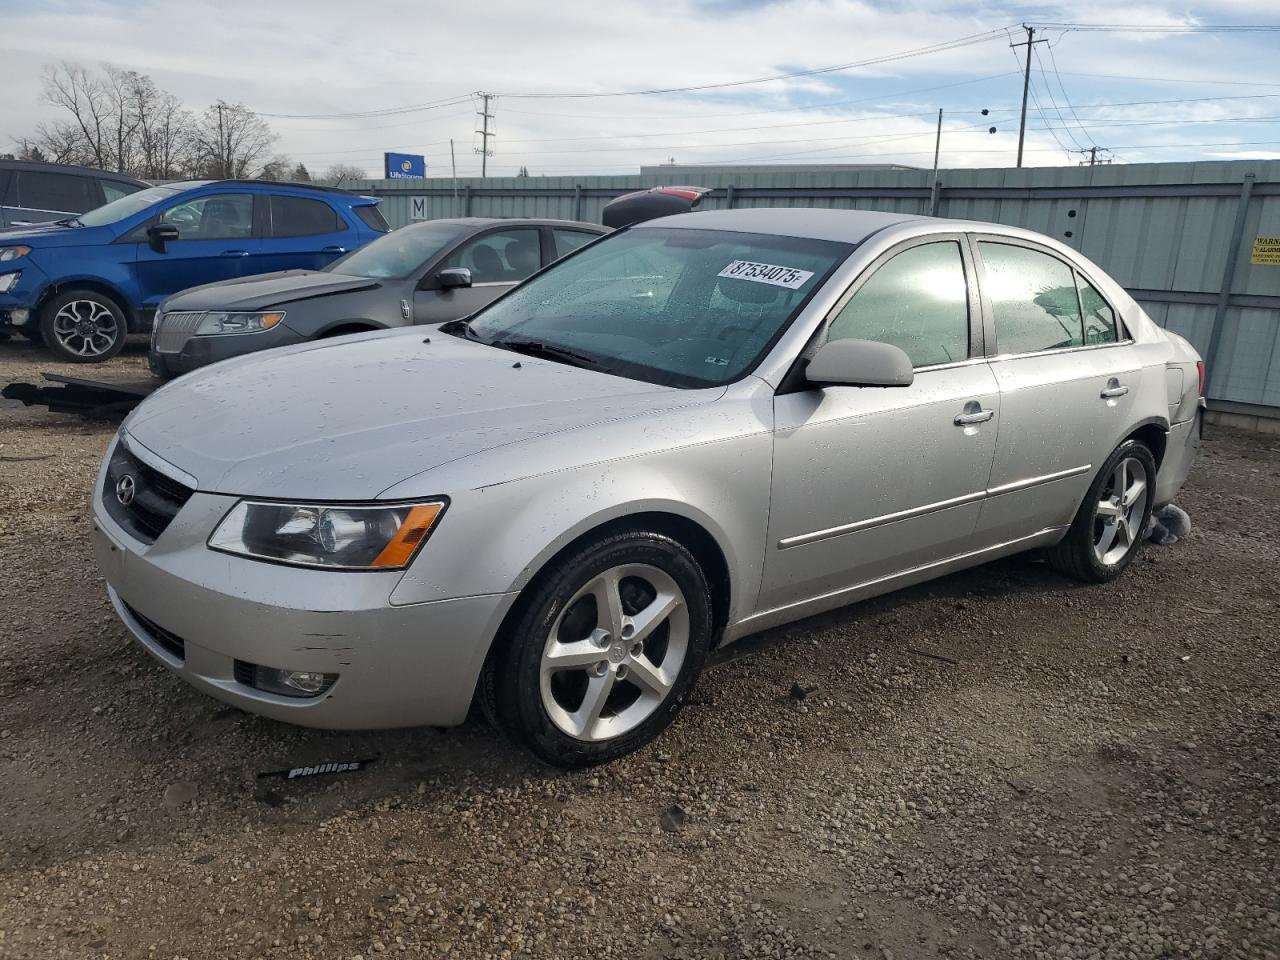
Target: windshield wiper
pixel 454 327
pixel 540 348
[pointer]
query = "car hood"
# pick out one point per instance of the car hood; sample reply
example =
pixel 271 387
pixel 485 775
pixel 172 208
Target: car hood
pixel 41 235
pixel 267 290
pixel 346 420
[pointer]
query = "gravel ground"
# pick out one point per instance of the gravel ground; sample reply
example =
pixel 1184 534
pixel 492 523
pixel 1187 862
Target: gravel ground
pixel 1090 772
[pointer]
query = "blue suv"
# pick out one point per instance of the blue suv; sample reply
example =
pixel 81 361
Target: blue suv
pixel 81 284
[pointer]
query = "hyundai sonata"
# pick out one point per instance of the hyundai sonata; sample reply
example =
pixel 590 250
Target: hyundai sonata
pixel 697 428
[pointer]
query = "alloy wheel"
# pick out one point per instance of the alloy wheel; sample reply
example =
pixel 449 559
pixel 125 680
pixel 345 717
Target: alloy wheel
pixel 614 652
pixel 1122 505
pixel 86 328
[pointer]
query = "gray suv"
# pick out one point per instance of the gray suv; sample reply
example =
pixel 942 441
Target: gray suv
pixel 35 192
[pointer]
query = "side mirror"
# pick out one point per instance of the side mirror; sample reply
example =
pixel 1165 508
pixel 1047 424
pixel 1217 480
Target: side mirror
pixel 160 234
pixel 454 278
pixel 859 363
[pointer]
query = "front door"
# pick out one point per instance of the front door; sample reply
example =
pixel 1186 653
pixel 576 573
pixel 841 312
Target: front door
pixel 871 482
pixel 497 260
pixel 1067 383
pixel 215 242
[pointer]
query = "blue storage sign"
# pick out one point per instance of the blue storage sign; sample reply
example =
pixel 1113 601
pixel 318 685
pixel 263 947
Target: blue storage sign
pixel 405 166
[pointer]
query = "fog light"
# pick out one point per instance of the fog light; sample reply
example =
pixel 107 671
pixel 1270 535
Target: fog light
pixel 286 683
pixel 19 317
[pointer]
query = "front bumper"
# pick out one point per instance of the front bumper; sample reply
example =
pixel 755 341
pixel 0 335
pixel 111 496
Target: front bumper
pixel 202 351
pixel 22 299
pixel 198 612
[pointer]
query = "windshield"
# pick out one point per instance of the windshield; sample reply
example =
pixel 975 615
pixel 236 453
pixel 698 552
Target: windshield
pixel 399 253
pixel 686 308
pixel 125 207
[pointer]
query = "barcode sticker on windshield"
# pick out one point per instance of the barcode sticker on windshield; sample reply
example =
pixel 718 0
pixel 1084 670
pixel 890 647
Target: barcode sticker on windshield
pixel 770 273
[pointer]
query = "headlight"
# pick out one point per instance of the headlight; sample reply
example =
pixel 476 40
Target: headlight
pixel 8 281
pixel 218 323
pixel 341 537
pixel 13 253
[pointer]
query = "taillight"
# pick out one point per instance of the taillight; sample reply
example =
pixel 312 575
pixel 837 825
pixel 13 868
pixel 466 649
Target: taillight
pixel 1200 377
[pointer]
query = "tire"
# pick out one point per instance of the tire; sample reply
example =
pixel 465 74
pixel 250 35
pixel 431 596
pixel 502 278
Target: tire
pixel 638 671
pixel 1109 528
pixel 83 326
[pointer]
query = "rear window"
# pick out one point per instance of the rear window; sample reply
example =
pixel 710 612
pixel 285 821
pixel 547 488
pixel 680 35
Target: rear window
pixel 372 218
pixel 59 192
pixel 301 217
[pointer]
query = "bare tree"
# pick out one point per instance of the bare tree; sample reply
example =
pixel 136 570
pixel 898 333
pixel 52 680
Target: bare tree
pixel 163 130
pixel 86 134
pixel 342 172
pixel 231 141
pixel 301 173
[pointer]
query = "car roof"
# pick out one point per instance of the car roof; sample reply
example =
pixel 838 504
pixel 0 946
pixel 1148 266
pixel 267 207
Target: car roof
pixel 479 223
pixel 49 167
pixel 844 226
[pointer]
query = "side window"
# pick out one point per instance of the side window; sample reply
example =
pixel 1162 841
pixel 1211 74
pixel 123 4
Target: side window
pixel 568 241
pixel 918 301
pixel 1099 318
pixel 61 192
pixel 300 217
pixel 225 216
pixel 505 257
pixel 1033 299
pixel 114 190
pixel 373 218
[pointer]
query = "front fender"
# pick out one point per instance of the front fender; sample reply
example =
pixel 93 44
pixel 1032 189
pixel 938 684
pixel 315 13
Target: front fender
pixel 495 539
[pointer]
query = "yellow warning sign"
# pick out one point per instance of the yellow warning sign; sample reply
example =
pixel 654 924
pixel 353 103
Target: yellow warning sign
pixel 1266 250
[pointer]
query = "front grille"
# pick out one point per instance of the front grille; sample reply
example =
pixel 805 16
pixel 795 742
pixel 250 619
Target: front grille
pixel 173 330
pixel 170 642
pixel 153 499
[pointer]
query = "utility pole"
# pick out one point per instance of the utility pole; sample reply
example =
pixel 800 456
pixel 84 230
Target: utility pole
pixel 453 163
pixel 222 146
pixel 1026 85
pixel 1092 154
pixel 933 183
pixel 485 117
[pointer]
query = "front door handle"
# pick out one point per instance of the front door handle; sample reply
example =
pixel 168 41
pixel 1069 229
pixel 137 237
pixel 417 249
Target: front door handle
pixel 334 250
pixel 235 253
pixel 968 419
pixel 1114 390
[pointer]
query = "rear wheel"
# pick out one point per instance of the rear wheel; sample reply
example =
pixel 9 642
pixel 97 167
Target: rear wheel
pixel 605 650
pixel 1108 529
pixel 83 326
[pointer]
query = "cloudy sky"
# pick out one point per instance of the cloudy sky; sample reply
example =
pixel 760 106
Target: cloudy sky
pixel 342 82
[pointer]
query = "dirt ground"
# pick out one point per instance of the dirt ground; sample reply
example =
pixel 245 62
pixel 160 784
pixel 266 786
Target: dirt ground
pixel 999 764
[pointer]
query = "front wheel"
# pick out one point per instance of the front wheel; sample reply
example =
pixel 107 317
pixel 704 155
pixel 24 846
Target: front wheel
pixel 1108 529
pixel 604 651
pixel 83 326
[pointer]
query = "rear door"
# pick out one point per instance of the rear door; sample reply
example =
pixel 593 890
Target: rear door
pixel 216 241
pixel 567 240
pixel 1067 376
pixel 497 259
pixel 873 482
pixel 302 233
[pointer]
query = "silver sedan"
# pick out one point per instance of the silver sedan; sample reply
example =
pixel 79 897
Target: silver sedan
pixel 688 431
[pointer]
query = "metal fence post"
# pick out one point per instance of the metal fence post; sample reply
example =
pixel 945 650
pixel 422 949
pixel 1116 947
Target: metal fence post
pixel 1228 278
pixel 466 200
pixel 728 197
pixel 577 201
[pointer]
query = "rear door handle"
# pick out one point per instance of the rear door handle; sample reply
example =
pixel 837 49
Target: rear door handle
pixel 967 419
pixel 334 250
pixel 235 253
pixel 1114 390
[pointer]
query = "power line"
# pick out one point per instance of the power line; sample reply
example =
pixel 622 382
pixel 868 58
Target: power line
pixel 362 114
pixel 940 47
pixel 1065 98
pixel 1053 101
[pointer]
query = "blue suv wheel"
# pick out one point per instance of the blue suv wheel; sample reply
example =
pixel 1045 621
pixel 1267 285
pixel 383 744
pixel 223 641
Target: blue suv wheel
pixel 83 326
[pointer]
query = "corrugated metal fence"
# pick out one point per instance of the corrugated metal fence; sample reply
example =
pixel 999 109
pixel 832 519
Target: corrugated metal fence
pixel 1182 237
